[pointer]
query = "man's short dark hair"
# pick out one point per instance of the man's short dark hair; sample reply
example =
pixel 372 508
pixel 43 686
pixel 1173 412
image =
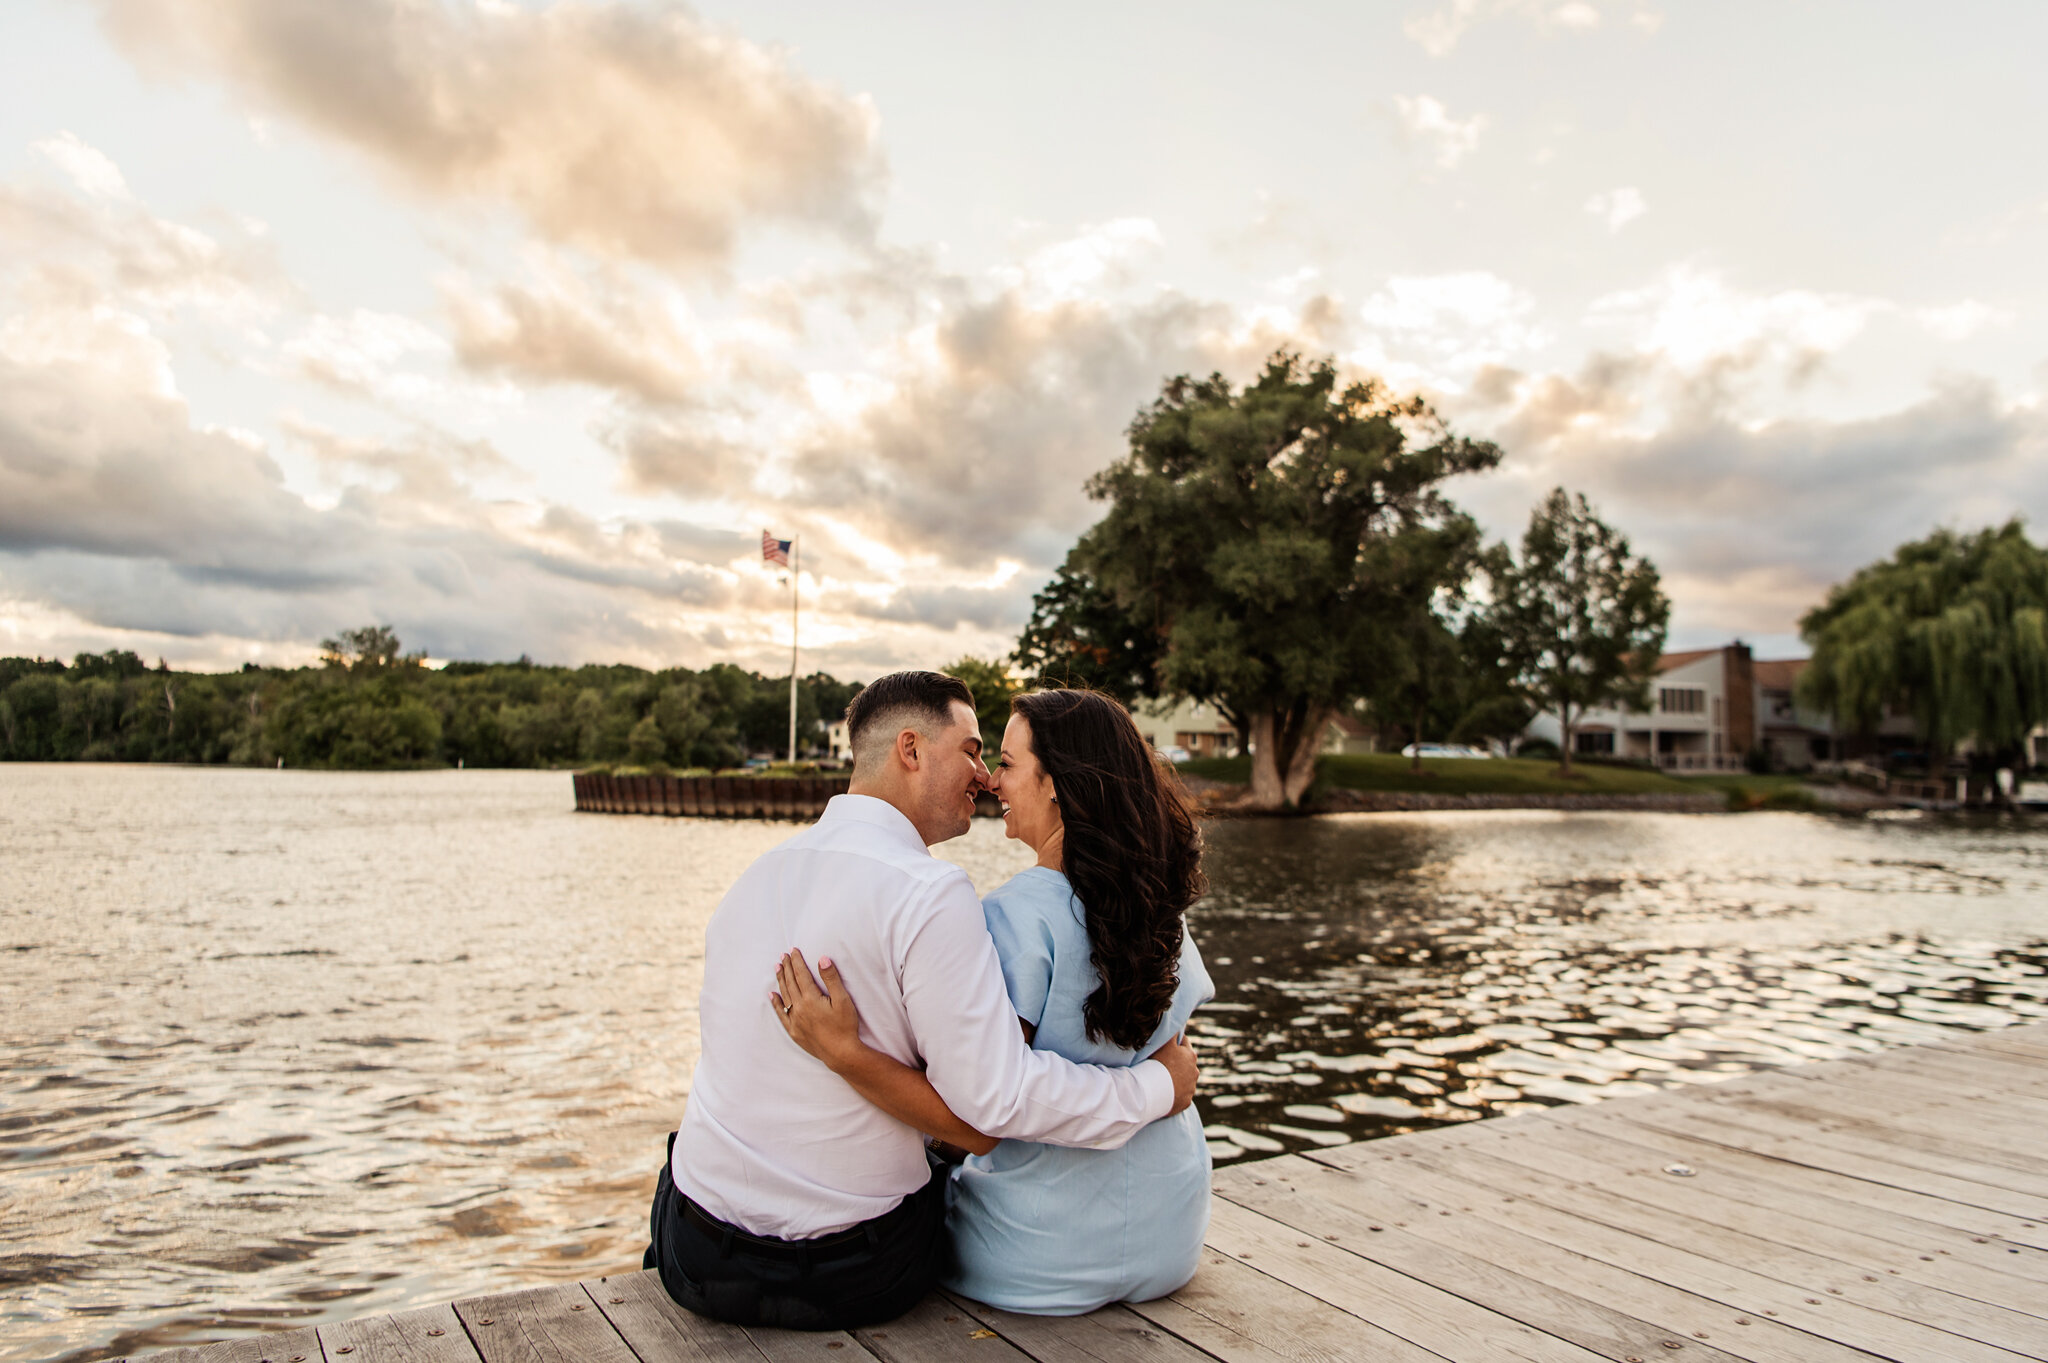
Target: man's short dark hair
pixel 888 705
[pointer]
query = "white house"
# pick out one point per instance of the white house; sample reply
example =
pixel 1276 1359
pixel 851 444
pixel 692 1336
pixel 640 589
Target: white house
pixel 1186 724
pixel 1702 716
pixel 1202 732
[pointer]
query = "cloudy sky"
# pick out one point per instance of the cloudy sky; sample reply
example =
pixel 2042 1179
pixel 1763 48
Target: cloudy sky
pixel 513 324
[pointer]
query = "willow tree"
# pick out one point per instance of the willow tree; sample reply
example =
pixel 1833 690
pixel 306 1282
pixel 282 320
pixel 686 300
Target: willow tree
pixel 1271 541
pixel 1951 630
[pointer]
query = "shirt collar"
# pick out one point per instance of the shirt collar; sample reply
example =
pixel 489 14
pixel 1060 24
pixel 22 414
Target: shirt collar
pixel 879 814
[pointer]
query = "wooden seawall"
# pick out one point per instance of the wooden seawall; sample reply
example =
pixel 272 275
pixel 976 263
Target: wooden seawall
pixel 719 797
pixel 707 797
pixel 1894 1206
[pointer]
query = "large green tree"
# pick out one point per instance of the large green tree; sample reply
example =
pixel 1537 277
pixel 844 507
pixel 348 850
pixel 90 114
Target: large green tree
pixel 1951 630
pixel 1422 659
pixel 1080 634
pixel 992 686
pixel 1272 540
pixel 1581 618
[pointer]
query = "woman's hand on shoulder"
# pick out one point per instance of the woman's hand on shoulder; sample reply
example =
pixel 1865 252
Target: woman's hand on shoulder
pixel 823 1021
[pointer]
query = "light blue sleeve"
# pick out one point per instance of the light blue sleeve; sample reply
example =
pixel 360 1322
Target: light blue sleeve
pixel 1023 941
pixel 1196 989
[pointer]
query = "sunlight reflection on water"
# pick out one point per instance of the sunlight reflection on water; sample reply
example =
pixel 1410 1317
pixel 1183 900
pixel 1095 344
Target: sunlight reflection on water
pixel 285 1047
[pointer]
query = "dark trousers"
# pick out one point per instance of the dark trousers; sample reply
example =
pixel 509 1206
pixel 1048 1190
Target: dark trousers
pixel 873 1273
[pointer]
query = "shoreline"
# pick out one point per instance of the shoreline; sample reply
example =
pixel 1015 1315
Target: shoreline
pixel 1226 799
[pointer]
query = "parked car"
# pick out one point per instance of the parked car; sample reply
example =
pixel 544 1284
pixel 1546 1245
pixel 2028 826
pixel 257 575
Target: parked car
pixel 1458 750
pixel 1175 753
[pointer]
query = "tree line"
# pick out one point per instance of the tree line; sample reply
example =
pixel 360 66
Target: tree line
pixel 369 706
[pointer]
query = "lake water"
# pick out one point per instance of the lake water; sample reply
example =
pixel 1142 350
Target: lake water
pixel 283 1047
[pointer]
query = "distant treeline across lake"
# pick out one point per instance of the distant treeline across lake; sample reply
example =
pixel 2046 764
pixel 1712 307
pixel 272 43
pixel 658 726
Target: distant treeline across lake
pixel 114 707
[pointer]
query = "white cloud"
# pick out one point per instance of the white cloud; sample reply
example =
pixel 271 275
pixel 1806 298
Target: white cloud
pixel 1425 122
pixel 1439 30
pixel 1750 523
pixel 1695 318
pixel 364 351
pixel 1960 321
pixel 1440 330
pixel 635 131
pixel 94 243
pixel 1091 260
pixel 1618 207
pixel 89 167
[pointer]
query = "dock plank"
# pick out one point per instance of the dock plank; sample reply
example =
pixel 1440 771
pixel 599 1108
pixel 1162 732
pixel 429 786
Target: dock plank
pixel 1856 1232
pixel 432 1334
pixel 1992 1304
pixel 1420 1201
pixel 553 1324
pixel 2004 1124
pixel 1615 1119
pixel 1240 1315
pixel 1820 1277
pixel 654 1327
pixel 1876 1165
pixel 937 1331
pixel 1418 1198
pixel 1897 1148
pixel 1676 1263
pixel 1595 1326
pixel 1439 1321
pixel 1976 1153
pixel 1113 1334
pixel 2000 1073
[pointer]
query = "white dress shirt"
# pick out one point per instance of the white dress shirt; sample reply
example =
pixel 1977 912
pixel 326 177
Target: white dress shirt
pixel 777 1144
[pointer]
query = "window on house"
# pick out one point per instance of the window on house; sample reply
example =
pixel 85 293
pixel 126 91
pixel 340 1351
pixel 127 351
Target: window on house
pixel 1593 744
pixel 1682 700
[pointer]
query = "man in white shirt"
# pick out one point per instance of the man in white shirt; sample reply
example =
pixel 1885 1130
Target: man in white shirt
pixel 788 1199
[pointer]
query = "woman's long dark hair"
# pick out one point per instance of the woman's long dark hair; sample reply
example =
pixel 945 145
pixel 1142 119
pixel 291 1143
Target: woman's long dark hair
pixel 1132 853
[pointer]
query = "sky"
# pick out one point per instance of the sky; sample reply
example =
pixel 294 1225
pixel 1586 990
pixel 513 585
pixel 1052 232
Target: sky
pixel 513 325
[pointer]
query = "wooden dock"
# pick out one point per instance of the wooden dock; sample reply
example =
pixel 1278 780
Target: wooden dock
pixel 1893 1206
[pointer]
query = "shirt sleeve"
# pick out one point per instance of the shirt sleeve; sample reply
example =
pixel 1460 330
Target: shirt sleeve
pixel 966 1029
pixel 1196 988
pixel 1023 943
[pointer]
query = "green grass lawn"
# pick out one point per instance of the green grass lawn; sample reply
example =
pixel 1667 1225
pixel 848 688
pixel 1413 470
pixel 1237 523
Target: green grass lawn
pixel 1746 791
pixel 1497 776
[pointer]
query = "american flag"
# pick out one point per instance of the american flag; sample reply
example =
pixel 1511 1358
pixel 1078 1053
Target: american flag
pixel 774 550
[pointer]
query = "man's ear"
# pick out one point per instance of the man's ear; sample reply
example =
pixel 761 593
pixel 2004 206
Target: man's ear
pixel 906 749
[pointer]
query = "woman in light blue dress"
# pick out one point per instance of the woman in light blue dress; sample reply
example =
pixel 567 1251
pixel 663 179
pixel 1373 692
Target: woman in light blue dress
pixel 1101 970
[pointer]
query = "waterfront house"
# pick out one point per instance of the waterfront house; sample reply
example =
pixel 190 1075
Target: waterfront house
pixel 1710 708
pixel 1348 734
pixel 1200 730
pixel 1195 727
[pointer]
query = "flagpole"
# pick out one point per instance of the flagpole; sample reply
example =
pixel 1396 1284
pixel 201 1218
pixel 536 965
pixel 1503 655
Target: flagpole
pixel 795 560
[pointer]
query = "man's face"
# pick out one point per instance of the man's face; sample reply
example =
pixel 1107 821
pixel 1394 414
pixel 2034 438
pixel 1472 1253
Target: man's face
pixel 950 773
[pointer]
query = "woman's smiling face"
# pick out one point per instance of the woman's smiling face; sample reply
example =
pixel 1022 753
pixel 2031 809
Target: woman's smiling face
pixel 1030 813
